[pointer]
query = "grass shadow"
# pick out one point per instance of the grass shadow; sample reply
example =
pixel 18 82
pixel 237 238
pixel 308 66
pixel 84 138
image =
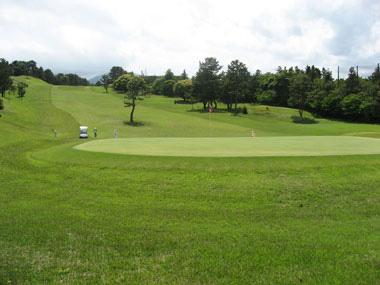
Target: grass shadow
pixel 306 121
pixel 201 110
pixel 134 124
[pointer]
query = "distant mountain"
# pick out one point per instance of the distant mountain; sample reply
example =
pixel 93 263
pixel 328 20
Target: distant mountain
pixel 94 79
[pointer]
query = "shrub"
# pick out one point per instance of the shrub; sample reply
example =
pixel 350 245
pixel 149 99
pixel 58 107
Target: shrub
pixel 244 110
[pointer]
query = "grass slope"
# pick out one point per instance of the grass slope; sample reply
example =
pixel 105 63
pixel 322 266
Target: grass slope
pixel 162 118
pixel 76 217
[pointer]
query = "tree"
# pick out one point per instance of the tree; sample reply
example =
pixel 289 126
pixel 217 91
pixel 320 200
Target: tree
pixel 300 85
pixel 352 82
pixel 5 76
pixel 169 75
pixel 375 77
pixel 116 72
pixel 49 76
pixel 167 87
pixel 184 75
pixel 158 86
pixel 207 82
pixel 183 88
pixel 121 83
pixel 236 83
pixel 136 88
pixel 105 81
pixel 1 104
pixel 266 97
pixel 21 89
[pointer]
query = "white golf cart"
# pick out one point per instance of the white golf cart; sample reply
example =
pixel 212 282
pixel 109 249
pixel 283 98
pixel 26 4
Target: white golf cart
pixel 83 132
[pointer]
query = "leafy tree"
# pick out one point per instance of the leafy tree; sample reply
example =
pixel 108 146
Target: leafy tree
pixel 116 72
pixel 136 88
pixel 300 85
pixel 105 81
pixel 236 83
pixel 5 79
pixel 21 89
pixel 351 105
pixel 121 83
pixel 169 75
pixel 183 88
pixel 167 87
pixel 158 86
pixel 266 97
pixel 207 82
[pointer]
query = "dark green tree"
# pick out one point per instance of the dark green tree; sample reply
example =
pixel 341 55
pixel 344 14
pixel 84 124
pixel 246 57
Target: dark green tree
pixel 167 87
pixel 352 82
pixel 375 77
pixel 5 76
pixel 207 82
pixel 184 75
pixel 116 72
pixel 169 75
pixel 236 84
pixel 299 88
pixel 158 86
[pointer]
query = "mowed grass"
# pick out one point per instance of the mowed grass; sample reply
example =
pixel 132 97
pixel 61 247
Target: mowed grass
pixel 241 147
pixel 77 217
pixel 162 118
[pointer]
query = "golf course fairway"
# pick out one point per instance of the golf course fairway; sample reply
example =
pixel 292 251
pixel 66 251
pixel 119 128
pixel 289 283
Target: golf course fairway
pixel 237 147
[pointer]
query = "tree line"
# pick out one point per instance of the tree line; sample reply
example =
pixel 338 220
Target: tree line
pixel 30 68
pixel 312 89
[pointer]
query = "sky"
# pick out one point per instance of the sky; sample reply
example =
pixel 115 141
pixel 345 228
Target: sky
pixel 88 37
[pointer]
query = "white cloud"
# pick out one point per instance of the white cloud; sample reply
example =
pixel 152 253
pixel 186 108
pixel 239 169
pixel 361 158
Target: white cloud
pixel 89 37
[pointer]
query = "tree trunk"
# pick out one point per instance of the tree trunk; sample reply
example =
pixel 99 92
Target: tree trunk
pixel 235 101
pixel 216 104
pixel 204 106
pixel 2 93
pixel 133 110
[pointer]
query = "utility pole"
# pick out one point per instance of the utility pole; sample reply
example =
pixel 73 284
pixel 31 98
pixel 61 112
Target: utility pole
pixel 338 75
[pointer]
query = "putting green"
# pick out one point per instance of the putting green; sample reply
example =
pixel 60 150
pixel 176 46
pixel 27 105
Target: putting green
pixel 238 147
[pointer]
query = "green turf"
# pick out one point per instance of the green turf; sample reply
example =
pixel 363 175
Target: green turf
pixel 241 147
pixel 78 217
pixel 162 118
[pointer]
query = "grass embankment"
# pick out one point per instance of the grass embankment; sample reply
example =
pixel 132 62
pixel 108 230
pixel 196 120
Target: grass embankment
pixel 79 217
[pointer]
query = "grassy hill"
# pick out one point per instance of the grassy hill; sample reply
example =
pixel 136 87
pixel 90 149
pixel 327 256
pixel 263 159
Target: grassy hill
pixel 71 216
pixel 163 118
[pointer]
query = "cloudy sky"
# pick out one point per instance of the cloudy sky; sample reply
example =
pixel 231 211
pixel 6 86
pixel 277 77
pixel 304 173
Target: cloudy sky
pixel 89 36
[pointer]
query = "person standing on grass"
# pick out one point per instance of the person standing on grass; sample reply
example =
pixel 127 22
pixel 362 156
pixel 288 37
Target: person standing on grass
pixel 95 132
